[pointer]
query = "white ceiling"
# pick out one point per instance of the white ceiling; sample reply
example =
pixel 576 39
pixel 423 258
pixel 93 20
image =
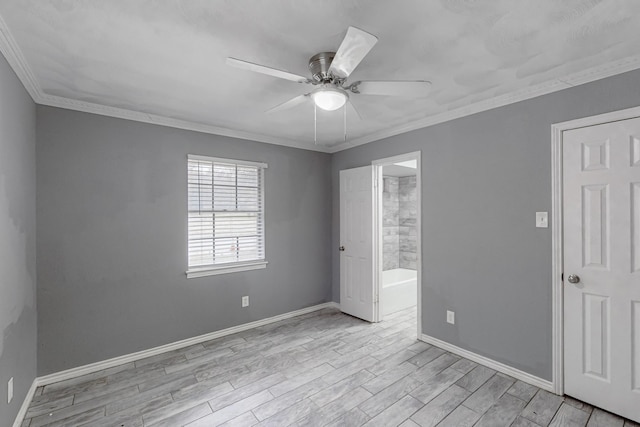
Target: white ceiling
pixel 164 61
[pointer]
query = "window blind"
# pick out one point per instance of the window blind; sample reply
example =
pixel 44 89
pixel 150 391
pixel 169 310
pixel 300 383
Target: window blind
pixel 226 212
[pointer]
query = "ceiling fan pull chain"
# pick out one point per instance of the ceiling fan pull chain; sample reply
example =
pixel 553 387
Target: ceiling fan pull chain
pixel 315 124
pixel 345 122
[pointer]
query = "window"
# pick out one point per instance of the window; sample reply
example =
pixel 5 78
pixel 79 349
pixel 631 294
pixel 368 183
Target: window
pixel 226 215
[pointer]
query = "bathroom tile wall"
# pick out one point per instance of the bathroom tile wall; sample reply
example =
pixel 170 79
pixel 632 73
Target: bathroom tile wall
pixel 407 213
pixel 399 222
pixel 391 223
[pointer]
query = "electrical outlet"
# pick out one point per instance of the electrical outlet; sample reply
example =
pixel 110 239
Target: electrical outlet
pixel 245 301
pixel 451 317
pixel 10 390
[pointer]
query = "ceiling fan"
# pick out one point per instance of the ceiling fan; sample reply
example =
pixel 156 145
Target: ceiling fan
pixel 330 71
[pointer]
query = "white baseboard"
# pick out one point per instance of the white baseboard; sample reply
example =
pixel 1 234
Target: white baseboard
pixel 128 358
pixel 25 404
pixel 490 363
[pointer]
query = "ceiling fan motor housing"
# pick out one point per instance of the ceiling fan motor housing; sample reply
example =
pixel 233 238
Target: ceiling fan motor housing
pixel 319 66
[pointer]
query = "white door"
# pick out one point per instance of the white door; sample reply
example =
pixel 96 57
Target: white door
pixel 356 242
pixel 601 166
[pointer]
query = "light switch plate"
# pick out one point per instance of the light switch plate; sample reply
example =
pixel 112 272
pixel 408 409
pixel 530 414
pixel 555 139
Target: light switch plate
pixel 451 317
pixel 542 219
pixel 245 301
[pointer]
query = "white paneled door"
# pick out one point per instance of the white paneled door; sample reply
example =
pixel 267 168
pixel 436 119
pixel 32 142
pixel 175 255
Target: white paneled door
pixel 356 242
pixel 601 167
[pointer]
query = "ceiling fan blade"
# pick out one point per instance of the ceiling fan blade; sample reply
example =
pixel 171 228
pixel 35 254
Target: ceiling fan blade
pixel 293 102
pixel 354 48
pixel 413 89
pixel 245 65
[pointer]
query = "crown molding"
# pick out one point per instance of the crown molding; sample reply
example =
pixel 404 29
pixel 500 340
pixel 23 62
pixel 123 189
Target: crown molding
pixel 11 51
pixel 121 113
pixel 603 71
pixel 18 63
pixel 575 79
pixel 467 110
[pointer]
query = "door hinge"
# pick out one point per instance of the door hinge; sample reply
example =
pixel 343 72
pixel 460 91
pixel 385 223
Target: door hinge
pixel 562 277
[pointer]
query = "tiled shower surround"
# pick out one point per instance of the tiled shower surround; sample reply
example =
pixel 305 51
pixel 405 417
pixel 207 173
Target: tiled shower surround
pixel 390 223
pixel 399 222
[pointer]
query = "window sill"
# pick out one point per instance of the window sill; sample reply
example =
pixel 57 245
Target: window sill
pixel 212 271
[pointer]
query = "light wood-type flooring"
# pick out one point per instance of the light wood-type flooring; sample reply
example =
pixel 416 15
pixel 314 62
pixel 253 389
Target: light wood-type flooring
pixel 323 368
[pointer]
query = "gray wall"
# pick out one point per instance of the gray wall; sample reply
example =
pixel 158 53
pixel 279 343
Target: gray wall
pixel 483 178
pixel 17 241
pixel 112 238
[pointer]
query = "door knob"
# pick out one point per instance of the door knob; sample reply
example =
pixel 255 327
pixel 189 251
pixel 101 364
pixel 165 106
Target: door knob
pixel 573 278
pixel 341 248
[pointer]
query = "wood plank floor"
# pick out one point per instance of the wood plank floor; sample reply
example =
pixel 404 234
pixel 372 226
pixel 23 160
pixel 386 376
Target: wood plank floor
pixel 323 368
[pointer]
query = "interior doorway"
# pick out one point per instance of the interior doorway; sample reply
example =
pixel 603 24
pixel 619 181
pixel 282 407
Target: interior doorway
pixel 379 279
pixel 596 280
pixel 397 259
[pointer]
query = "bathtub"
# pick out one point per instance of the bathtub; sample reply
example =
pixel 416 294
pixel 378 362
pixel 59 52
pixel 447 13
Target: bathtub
pixel 399 290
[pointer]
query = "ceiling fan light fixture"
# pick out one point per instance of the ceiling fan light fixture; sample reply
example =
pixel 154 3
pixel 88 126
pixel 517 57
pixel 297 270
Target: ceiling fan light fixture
pixel 329 98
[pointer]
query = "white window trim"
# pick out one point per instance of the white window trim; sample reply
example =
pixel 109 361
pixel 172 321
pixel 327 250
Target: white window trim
pixel 193 273
pixel 230 161
pixel 224 269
